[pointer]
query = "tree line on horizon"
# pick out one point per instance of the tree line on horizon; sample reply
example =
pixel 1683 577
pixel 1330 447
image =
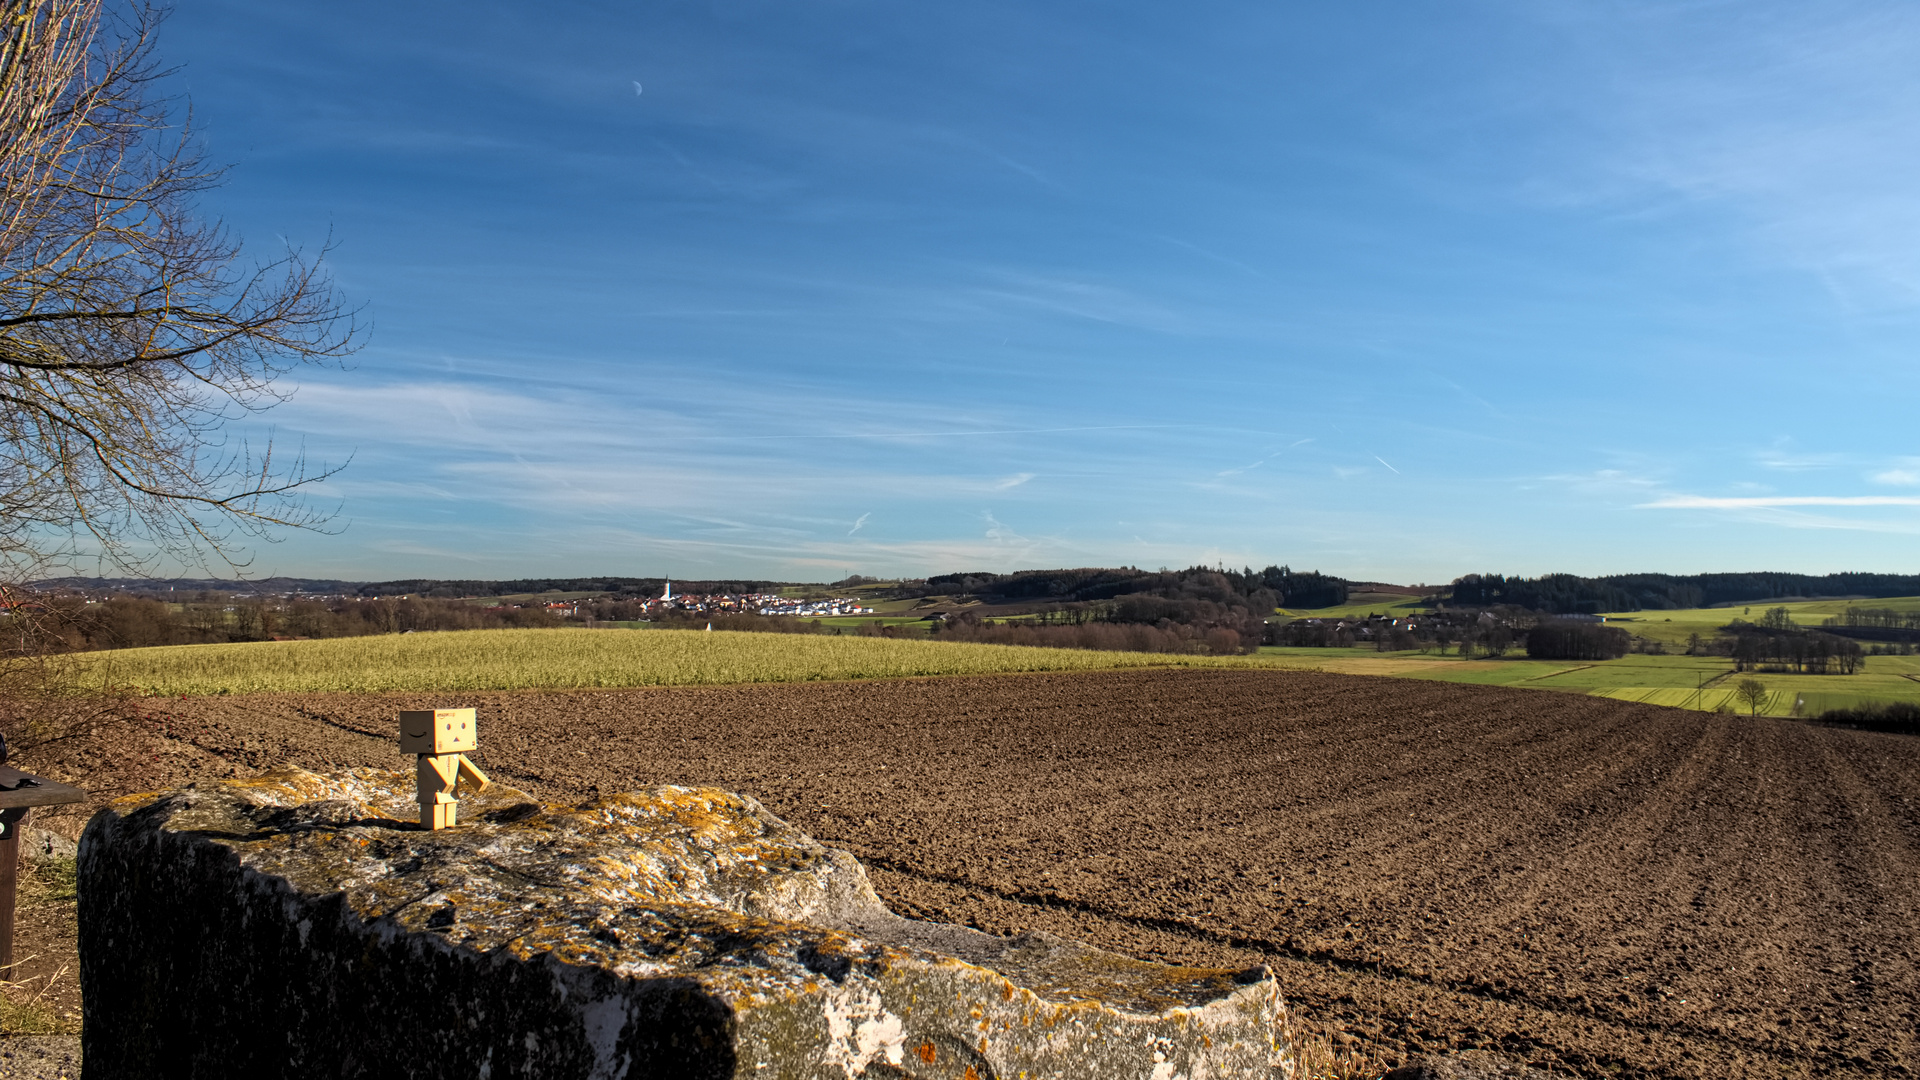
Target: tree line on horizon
pixel 1198 609
pixel 1571 594
pixel 71 623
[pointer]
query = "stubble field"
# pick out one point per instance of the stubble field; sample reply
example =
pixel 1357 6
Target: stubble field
pixel 1605 887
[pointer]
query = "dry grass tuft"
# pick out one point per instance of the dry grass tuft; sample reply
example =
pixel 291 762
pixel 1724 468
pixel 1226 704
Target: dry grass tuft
pixel 1320 1052
pixel 24 1008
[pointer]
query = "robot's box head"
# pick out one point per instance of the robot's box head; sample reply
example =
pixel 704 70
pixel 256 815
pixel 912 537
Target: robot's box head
pixel 437 731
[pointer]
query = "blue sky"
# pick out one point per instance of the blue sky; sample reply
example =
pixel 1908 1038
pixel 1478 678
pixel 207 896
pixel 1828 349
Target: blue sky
pixel 1398 292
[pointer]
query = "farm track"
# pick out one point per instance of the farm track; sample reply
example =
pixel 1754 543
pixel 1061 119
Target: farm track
pixel 1605 887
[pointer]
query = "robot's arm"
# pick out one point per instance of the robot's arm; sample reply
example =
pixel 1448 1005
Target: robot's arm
pixel 471 773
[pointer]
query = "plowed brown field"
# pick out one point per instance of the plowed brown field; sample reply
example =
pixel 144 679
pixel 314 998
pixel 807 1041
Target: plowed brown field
pixel 1609 888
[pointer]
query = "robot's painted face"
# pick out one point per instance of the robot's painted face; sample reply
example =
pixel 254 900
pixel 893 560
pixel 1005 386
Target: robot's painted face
pixel 438 731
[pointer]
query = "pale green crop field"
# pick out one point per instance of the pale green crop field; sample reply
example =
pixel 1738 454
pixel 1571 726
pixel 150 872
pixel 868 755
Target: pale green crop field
pixel 579 658
pixel 562 659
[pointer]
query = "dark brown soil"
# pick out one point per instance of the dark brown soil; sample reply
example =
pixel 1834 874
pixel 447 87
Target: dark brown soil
pixel 1603 887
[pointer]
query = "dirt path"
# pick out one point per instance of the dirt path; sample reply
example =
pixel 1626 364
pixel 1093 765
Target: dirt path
pixel 1610 888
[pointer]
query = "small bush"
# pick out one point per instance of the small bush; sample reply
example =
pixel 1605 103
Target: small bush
pixel 26 1017
pixel 1556 639
pixel 1900 717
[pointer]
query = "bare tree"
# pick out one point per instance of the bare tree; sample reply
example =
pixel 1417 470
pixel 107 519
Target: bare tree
pixel 1752 693
pixel 132 334
pixel 131 330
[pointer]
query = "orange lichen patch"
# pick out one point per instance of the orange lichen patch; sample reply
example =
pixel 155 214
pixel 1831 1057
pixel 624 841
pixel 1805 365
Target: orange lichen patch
pixel 926 1052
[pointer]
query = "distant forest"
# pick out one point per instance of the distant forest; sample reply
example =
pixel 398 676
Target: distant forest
pixel 65 623
pixel 1200 609
pixel 1568 594
pixel 1287 587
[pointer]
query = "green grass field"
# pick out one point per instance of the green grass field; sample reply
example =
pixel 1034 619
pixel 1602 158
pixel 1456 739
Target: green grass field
pixel 1657 680
pixel 852 623
pixel 560 659
pixel 1362 604
pixel 1675 680
pixel 529 599
pixel 1672 627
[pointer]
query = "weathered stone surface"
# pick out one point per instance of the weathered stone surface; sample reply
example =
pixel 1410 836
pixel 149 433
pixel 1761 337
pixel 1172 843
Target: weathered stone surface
pixel 303 925
pixel 38 843
pixel 40 1057
pixel 1466 1065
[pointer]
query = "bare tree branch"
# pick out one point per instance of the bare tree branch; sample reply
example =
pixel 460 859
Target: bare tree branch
pixel 131 331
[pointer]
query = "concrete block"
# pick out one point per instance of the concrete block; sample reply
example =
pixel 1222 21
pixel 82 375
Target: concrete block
pixel 303 924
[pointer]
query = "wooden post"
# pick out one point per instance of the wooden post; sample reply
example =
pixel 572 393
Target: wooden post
pixel 19 793
pixel 16 820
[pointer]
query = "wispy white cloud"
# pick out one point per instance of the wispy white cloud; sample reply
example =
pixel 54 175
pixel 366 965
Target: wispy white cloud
pixel 1787 461
pixel 944 135
pixel 1216 257
pixel 1712 502
pixel 764 474
pixel 1601 483
pixel 1224 473
pixel 1085 299
pixel 999 532
pixel 1796 118
pixel 1904 473
pixel 403 547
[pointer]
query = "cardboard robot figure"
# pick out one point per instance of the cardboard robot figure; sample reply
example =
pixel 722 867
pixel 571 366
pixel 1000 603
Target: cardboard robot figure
pixel 441 737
